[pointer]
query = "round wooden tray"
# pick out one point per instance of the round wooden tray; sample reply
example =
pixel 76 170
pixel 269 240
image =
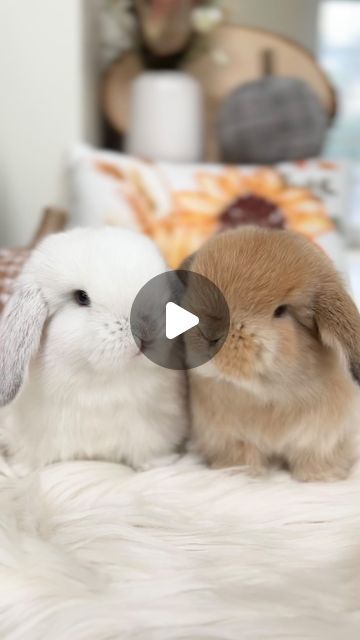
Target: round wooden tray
pixel 235 56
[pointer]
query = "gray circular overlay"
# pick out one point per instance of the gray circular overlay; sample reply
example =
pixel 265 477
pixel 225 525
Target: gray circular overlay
pixel 194 293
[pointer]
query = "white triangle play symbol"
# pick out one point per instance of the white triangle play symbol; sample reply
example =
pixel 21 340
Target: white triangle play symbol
pixel 178 320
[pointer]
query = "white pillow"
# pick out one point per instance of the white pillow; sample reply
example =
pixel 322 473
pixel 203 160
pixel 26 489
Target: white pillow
pixel 179 206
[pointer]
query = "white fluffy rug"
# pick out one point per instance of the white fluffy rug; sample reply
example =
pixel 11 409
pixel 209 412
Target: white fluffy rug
pixel 94 551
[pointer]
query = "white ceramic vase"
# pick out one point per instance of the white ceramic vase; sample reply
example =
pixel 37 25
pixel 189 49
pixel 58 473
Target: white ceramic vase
pixel 166 120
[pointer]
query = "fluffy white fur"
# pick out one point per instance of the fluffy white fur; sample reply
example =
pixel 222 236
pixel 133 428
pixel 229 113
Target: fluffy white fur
pixel 96 551
pixel 79 388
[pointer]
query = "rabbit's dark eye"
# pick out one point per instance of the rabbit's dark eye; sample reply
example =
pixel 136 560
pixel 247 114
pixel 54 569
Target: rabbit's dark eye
pixel 280 311
pixel 81 298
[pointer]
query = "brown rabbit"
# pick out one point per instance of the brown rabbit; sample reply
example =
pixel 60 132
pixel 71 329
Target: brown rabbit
pixel 283 385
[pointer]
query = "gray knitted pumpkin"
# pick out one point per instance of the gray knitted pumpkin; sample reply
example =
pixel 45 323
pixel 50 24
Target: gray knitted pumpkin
pixel 271 120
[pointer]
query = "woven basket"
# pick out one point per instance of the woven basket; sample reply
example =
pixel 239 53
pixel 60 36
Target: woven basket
pixel 13 260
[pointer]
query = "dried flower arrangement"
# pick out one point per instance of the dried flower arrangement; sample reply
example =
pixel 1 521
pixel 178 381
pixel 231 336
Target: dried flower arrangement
pixel 164 32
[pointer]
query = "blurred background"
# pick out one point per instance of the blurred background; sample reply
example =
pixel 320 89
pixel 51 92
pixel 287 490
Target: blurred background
pixel 246 82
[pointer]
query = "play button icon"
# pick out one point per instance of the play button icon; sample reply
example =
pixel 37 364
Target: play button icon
pixel 179 319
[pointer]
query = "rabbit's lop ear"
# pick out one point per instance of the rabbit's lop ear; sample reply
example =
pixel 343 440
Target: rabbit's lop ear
pixel 20 334
pixel 338 322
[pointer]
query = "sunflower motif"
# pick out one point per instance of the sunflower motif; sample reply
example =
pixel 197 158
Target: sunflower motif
pixel 185 219
pixel 199 213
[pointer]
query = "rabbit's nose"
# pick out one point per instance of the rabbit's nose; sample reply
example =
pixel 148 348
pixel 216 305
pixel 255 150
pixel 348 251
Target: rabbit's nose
pixel 145 328
pixel 122 324
pixel 238 326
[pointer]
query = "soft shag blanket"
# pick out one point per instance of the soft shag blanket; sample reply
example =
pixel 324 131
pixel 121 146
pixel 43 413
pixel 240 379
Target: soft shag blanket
pixel 95 551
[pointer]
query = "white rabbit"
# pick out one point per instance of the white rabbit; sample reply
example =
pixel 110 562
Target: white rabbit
pixel 75 384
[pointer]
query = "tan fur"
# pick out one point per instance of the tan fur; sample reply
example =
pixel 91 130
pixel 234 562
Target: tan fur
pixel 279 388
